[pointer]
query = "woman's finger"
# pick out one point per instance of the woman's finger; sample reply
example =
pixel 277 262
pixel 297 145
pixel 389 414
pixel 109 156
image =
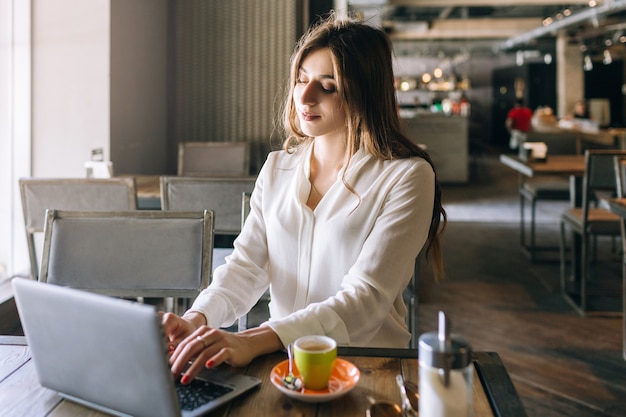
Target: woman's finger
pixel 192 347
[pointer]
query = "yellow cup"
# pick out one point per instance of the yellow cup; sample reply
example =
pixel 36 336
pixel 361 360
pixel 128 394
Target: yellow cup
pixel 315 358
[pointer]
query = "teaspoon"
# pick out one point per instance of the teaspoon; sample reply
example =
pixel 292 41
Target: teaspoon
pixel 290 380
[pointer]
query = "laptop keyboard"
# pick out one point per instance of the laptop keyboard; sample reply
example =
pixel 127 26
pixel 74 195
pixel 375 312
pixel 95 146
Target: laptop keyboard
pixel 198 393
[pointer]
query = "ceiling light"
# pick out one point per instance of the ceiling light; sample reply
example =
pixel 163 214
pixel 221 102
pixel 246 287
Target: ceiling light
pixel 438 72
pixel 547 59
pixel 607 58
pixel 588 65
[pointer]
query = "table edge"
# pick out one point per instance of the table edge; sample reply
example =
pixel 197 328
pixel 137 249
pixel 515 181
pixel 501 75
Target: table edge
pixel 497 384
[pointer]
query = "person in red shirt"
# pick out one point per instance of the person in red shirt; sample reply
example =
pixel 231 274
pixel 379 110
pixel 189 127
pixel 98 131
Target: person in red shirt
pixel 518 122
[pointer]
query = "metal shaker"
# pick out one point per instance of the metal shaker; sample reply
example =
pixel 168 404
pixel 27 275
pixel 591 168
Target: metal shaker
pixel 445 373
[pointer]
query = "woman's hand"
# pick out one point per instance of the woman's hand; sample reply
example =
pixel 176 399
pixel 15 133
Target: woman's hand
pixel 178 328
pixel 204 346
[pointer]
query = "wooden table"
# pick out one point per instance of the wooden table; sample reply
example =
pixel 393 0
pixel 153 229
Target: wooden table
pixel 494 394
pixel 148 190
pixel 148 186
pixel 559 165
pixel 618 206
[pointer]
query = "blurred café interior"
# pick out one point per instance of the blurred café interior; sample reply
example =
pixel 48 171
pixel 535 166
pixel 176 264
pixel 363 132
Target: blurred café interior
pixel 129 81
pixel 126 83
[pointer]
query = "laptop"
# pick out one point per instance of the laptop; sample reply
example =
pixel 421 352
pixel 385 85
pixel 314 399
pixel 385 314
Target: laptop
pixel 111 354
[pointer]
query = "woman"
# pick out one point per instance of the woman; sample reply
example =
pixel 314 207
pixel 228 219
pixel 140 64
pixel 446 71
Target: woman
pixel 337 218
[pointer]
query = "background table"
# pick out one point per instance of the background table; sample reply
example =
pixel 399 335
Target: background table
pixel 562 165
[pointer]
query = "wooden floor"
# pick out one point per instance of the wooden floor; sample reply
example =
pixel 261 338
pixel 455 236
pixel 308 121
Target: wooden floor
pixel 561 364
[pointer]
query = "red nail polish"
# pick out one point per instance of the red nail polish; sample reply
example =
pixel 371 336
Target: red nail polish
pixel 184 380
pixel 209 364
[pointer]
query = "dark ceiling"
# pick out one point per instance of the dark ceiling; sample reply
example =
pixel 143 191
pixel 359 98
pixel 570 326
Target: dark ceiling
pixel 442 23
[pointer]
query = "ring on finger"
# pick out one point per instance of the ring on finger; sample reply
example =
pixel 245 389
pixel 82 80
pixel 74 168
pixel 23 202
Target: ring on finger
pixel 204 343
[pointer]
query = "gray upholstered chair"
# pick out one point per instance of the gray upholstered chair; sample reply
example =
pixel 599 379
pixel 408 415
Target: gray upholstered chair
pixel 39 194
pixel 228 198
pixel 213 159
pixel 149 254
pixel 587 222
pixel 221 195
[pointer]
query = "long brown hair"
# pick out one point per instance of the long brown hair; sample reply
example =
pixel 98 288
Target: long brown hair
pixel 361 56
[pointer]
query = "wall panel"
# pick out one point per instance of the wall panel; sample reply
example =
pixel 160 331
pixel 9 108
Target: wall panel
pixel 231 66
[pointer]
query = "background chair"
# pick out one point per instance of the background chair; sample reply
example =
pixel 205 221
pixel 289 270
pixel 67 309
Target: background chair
pixel 228 198
pixel 586 222
pixel 215 159
pixel 154 254
pixel 114 194
pixel 221 195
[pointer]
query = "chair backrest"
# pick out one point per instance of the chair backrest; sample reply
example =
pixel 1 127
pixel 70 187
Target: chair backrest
pixel 39 194
pixel 557 143
pixel 599 175
pixel 221 195
pixel 214 159
pixel 137 253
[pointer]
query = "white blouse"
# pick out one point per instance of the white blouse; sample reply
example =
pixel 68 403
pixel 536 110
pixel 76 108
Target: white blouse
pixel 338 270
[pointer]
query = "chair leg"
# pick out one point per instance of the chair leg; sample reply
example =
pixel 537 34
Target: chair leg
pixel 578 270
pixel 522 231
pixel 584 270
pixel 414 305
pixel 624 306
pixel 562 258
pixel 33 257
pixel 533 206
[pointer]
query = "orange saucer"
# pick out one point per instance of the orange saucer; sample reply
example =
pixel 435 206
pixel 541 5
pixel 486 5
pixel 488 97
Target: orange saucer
pixel 344 377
